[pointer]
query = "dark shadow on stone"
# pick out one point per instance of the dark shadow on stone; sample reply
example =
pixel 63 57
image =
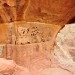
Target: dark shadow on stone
pixel 72 20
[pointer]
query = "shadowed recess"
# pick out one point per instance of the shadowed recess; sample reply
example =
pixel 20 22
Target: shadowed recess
pixel 72 20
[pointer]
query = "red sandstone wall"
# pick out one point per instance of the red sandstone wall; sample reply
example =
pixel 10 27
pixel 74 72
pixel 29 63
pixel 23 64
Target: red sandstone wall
pixel 49 11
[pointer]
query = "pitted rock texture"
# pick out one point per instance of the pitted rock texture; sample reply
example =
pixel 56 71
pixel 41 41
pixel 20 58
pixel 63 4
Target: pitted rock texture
pixel 48 11
pixel 35 32
pixel 65 45
pixel 27 32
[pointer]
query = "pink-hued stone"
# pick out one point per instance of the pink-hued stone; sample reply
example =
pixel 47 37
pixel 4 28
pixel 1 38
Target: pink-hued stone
pixel 25 55
pixel 37 59
pixel 21 71
pixel 6 66
pixel 9 67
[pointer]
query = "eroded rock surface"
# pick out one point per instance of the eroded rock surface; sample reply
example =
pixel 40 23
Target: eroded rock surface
pixel 37 58
pixel 35 32
pixel 40 57
pixel 48 11
pixel 65 45
pixel 27 32
pixel 9 67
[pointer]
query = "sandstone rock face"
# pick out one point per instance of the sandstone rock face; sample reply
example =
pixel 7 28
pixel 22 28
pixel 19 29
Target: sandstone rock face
pixel 31 54
pixel 9 67
pixel 35 32
pixel 30 41
pixel 35 57
pixel 65 45
pixel 4 33
pixel 49 11
pixel 6 66
pixel 32 61
pixel 2 50
pixel 27 32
